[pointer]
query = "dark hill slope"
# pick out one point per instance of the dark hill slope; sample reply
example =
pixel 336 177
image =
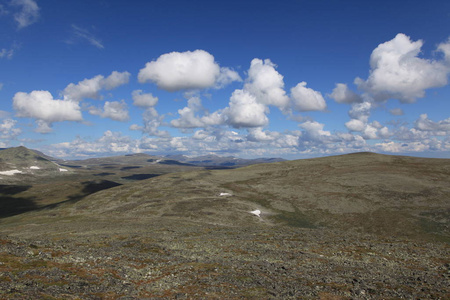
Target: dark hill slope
pixel 364 191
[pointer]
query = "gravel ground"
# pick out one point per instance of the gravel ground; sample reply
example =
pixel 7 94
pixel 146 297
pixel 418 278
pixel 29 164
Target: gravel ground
pixel 168 259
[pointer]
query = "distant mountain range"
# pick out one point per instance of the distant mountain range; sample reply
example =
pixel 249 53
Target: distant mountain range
pixel 208 161
pixel 221 161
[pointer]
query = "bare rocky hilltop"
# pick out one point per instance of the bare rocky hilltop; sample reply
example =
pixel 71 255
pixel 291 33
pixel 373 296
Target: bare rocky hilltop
pixel 357 226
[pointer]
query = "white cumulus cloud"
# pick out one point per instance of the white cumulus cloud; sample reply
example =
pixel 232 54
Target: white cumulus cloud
pixel 152 121
pixel 245 111
pixel 425 124
pixel 40 105
pixel 226 77
pixel 114 110
pixel 315 129
pixel 8 130
pixel 115 80
pixel 266 84
pixel 355 125
pixel 90 88
pixel 307 99
pixel 360 111
pixel 144 100
pixel 188 70
pixel 190 116
pixel 445 49
pixel 342 94
pixel 397 71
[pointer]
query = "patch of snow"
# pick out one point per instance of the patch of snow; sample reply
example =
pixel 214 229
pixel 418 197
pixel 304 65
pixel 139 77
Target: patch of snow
pixel 256 213
pixel 156 161
pixel 224 194
pixel 10 172
pixel 63 170
pixel 34 168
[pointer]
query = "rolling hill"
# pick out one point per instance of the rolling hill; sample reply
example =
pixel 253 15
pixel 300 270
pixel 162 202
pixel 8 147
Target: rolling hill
pixel 22 164
pixel 358 226
pixel 364 191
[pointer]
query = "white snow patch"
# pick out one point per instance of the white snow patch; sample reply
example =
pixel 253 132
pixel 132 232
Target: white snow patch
pixel 10 172
pixel 34 168
pixel 256 213
pixel 224 194
pixel 62 170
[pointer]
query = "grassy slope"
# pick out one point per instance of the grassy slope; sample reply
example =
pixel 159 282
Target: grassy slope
pixel 47 186
pixel 365 192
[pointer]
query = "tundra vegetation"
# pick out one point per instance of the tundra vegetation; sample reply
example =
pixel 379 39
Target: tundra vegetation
pixel 361 225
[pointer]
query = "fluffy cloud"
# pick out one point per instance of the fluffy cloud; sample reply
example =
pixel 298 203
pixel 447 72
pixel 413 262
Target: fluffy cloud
pixel 355 125
pixel 431 144
pixel 306 99
pixel 245 111
pixel 315 130
pixel 110 142
pixel 397 71
pixel 266 84
pixel 8 130
pixel 361 111
pixel 114 110
pixel 28 14
pixel 144 100
pixel 370 132
pixel 425 124
pixel 190 119
pixel 427 135
pixel 445 49
pixel 258 135
pixel 152 121
pixel 248 106
pixel 226 77
pixel 186 71
pixel 115 80
pixel 41 106
pixel 342 94
pixel 90 88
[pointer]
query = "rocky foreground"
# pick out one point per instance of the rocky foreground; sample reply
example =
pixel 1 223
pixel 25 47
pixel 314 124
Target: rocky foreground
pixel 166 259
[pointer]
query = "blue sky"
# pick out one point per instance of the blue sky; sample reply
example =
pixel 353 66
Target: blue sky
pixel 288 79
